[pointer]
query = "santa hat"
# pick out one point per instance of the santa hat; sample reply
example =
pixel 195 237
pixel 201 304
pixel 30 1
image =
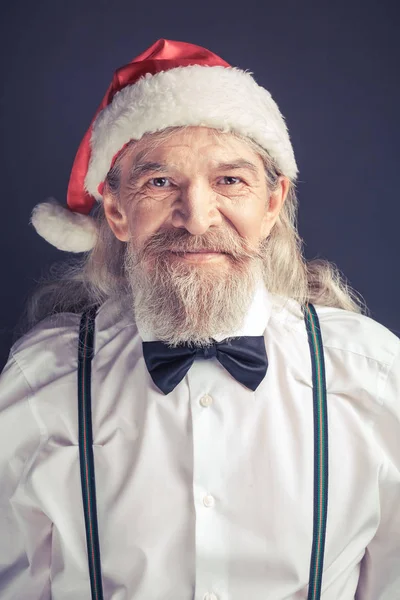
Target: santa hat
pixel 170 84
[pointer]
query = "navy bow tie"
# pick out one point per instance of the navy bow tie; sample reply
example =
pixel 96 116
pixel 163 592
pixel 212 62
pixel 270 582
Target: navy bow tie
pixel 245 358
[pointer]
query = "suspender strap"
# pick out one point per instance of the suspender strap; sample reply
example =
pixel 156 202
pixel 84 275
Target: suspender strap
pixel 85 354
pixel 86 337
pixel 320 451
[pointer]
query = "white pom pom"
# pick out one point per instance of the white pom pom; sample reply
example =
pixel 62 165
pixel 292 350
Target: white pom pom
pixel 64 229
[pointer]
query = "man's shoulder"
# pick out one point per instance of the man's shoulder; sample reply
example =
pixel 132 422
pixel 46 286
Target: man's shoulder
pixel 51 346
pixel 343 330
pixel 357 333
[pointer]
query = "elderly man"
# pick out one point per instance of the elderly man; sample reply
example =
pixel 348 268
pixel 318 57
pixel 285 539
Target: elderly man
pixel 195 412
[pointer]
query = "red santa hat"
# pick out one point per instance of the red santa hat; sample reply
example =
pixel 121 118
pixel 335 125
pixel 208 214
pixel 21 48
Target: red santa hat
pixel 169 84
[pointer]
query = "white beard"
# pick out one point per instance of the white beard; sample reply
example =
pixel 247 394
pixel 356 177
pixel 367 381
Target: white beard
pixel 188 302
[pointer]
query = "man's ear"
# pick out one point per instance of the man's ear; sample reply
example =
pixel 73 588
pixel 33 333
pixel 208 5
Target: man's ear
pixel 116 217
pixel 275 204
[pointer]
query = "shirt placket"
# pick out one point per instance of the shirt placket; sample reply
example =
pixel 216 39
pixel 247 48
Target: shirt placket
pixel 208 465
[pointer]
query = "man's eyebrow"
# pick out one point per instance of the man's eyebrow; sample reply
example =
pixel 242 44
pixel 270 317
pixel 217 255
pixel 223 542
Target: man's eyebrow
pixel 237 164
pixel 140 169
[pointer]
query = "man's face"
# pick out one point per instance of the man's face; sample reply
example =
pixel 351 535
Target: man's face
pixel 182 184
pixel 194 210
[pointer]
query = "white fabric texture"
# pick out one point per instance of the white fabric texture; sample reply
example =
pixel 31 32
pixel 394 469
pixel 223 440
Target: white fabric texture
pixel 208 490
pixel 66 230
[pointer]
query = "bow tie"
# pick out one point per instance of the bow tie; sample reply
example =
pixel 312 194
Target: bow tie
pixel 244 357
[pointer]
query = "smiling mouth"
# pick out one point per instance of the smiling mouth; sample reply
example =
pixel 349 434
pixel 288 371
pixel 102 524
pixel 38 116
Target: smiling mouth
pixel 197 252
pixel 199 256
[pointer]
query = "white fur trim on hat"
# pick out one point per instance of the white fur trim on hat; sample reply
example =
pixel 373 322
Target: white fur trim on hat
pixel 64 229
pixel 225 98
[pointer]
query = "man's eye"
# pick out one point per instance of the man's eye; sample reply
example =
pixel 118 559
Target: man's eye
pixel 158 182
pixel 229 180
pixel 163 182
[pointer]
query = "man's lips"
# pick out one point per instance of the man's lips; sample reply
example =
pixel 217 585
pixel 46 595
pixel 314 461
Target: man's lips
pixel 198 255
pixel 197 252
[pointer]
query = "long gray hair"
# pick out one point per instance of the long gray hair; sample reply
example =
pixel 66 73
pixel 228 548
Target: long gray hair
pixel 99 275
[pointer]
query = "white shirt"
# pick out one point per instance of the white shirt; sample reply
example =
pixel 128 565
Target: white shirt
pixel 205 493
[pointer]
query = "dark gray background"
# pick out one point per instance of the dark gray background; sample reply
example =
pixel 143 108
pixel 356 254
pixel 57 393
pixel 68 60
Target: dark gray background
pixel 332 67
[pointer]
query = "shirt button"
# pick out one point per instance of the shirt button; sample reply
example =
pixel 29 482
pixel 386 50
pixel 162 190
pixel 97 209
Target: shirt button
pixel 208 501
pixel 206 400
pixel 210 596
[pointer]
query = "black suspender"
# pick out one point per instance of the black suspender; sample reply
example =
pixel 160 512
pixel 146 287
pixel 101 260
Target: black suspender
pixel 320 451
pixel 85 355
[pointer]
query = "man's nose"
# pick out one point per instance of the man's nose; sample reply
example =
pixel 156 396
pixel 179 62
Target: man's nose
pixel 196 209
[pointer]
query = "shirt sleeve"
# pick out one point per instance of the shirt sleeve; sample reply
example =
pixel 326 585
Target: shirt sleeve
pixel 380 567
pixel 25 540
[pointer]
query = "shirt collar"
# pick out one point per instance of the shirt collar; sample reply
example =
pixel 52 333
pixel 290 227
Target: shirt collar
pixel 254 323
